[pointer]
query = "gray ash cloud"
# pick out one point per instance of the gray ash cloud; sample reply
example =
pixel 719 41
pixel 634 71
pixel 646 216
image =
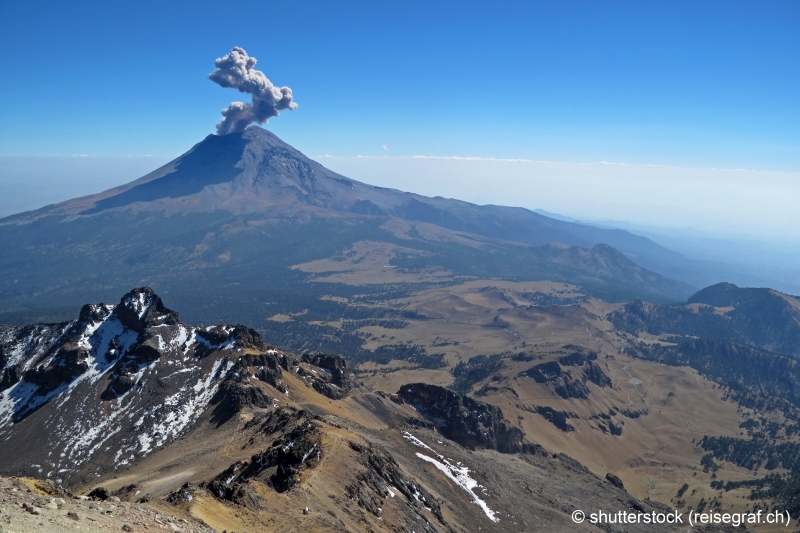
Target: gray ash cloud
pixel 236 70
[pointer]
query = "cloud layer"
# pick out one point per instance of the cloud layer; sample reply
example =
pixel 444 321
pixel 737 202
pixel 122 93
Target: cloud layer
pixel 236 70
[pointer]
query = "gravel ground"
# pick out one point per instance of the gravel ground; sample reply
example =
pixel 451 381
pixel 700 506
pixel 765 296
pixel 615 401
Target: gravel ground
pixel 24 508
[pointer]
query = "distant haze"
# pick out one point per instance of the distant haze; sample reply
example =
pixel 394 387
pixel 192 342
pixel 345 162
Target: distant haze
pixel 32 182
pixel 723 202
pixel 726 202
pixel 741 217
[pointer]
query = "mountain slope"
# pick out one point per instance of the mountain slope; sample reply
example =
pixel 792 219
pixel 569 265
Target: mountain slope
pixel 212 424
pixel 256 163
pixel 232 204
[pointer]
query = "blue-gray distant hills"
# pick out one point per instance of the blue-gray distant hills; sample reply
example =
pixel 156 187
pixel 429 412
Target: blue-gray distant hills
pixel 234 212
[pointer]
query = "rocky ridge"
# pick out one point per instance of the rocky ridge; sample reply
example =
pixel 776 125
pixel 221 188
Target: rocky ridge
pixel 469 422
pixel 123 380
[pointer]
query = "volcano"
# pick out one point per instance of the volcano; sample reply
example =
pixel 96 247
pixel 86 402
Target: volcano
pixel 233 204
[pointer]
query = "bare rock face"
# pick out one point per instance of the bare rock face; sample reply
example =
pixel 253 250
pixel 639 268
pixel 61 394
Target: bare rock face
pixel 59 382
pixel 70 364
pixel 327 374
pixel 469 422
pixel 142 308
pixel 234 395
pixel 381 472
pixel 297 447
pixel 267 365
pixel 569 375
pixel 100 493
pixel 337 380
pixel 614 480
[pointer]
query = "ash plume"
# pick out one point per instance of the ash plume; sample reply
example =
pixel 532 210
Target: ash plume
pixel 235 70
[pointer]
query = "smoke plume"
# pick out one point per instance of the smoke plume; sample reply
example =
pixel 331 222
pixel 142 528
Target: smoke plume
pixel 235 70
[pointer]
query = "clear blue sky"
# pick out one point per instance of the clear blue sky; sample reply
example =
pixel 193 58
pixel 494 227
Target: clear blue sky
pixel 702 84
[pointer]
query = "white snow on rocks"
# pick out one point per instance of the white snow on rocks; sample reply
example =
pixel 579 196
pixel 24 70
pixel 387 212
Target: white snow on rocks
pixel 130 425
pixel 458 474
pixel 139 303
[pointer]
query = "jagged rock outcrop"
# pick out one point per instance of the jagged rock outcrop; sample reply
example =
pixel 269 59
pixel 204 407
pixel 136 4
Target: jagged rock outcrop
pixel 469 422
pixel 100 493
pixel 183 494
pixel 267 365
pixel 338 380
pixel 614 480
pixel 381 477
pixel 161 375
pixel 141 309
pixel 570 383
pixel 297 446
pixel 555 417
pixel 233 396
pixel 327 374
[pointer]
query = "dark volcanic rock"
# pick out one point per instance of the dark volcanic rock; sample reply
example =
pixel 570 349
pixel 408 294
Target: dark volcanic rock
pixel 241 395
pixel 268 367
pixel 9 377
pixel 571 383
pixel 142 308
pixel 614 480
pixel 100 493
pixel 545 372
pixel 555 417
pixel 382 471
pixel 337 380
pixel 327 374
pixel 184 494
pixel 70 363
pixel 471 423
pixel 58 379
pixel 297 446
pixel 147 351
pixel 120 385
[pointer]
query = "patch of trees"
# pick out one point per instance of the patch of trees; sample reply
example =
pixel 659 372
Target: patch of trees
pixel 543 299
pixel 755 317
pixel 754 453
pixel 784 491
pixel 474 371
pixel 757 379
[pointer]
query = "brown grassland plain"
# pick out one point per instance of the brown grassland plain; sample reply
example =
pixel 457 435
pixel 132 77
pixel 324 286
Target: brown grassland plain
pixel 669 409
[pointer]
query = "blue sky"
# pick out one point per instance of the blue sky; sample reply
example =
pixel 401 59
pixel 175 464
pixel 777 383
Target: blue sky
pixel 696 85
pixel 681 83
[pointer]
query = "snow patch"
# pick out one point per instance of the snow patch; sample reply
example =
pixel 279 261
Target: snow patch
pixel 458 474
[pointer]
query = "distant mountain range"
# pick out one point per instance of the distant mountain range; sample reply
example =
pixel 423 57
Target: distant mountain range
pixel 237 210
pixel 705 259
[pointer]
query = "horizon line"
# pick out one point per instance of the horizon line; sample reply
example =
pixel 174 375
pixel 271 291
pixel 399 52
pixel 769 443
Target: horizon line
pixel 544 161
